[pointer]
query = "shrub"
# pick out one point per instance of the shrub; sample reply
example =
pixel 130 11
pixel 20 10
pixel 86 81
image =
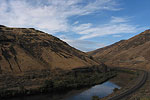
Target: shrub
pixel 115 89
pixel 64 81
pixel 22 89
pixel 95 98
pixel 48 84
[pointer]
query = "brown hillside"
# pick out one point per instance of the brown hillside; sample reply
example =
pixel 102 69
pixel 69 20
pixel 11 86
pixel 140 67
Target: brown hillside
pixel 134 52
pixel 26 49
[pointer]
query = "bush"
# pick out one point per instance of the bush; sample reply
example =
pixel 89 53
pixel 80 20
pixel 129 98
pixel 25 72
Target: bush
pixel 95 98
pixel 65 81
pixel 22 89
pixel 115 89
pixel 49 84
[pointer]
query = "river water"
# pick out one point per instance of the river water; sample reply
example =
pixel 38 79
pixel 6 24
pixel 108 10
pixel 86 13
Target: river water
pixel 100 90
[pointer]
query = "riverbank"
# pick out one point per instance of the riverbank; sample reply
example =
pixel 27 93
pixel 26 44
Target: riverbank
pixel 142 94
pixel 123 78
pixel 126 79
pixel 46 82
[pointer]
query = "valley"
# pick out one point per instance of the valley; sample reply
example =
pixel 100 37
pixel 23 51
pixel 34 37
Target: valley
pixel 33 62
pixel 74 50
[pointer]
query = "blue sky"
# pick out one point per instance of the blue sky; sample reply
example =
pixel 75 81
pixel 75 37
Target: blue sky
pixel 84 24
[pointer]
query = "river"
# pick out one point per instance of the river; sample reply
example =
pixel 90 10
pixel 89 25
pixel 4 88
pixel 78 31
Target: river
pixel 100 90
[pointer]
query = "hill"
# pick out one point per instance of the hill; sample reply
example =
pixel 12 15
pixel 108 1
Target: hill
pixel 134 52
pixel 33 62
pixel 27 49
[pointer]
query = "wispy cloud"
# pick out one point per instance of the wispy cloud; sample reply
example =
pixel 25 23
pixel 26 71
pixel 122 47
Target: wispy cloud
pixel 119 19
pixel 84 45
pixel 117 36
pixel 81 28
pixel 76 22
pixel 53 16
pixel 50 15
pixel 116 25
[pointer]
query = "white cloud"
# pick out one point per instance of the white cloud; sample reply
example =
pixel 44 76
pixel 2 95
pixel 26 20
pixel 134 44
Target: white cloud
pixel 117 25
pixel 51 15
pixel 79 29
pixel 84 45
pixel 117 36
pixel 119 19
pixel 76 22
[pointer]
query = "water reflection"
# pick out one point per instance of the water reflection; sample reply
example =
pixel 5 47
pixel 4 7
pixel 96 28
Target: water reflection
pixel 101 90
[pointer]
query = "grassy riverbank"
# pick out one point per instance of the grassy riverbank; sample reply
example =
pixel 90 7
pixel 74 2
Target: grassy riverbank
pixel 62 81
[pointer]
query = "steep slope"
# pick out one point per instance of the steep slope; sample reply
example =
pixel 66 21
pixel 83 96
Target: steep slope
pixel 134 52
pixel 27 49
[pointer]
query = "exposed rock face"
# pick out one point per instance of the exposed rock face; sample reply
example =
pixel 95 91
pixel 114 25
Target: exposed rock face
pixel 134 52
pixel 26 49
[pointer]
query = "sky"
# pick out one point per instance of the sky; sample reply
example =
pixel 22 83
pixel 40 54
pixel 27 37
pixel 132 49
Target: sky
pixel 84 24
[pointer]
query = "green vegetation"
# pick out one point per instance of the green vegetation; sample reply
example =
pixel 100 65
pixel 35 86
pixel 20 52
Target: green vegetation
pixel 115 89
pixel 95 98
